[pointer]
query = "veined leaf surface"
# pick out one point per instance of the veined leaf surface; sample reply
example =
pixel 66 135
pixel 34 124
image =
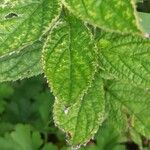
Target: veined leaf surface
pixel 111 15
pixel 133 103
pixel 69 59
pixel 22 64
pixel 70 62
pixel 81 120
pixel 24 21
pixel 126 58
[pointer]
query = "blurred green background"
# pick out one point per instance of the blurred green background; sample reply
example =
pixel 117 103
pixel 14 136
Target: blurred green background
pixel 26 121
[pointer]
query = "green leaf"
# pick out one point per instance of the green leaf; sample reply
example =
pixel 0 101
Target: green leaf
pixel 23 22
pixel 81 120
pixel 22 136
pixel 145 21
pixel 126 58
pixel 50 146
pixel 136 137
pixel 69 62
pixel 133 103
pixel 108 138
pixel 21 139
pixel 5 91
pixel 112 15
pixel 116 118
pixel 22 64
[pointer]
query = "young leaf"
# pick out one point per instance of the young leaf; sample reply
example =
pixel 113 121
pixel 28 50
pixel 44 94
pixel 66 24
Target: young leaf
pixel 132 101
pixel 69 59
pixel 126 58
pixel 112 15
pixel 22 64
pixel 24 21
pixel 82 119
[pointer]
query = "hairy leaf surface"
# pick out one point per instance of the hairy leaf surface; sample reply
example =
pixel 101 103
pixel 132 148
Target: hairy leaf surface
pixel 82 119
pixel 22 64
pixel 69 62
pixel 132 104
pixel 126 58
pixel 116 15
pixel 22 22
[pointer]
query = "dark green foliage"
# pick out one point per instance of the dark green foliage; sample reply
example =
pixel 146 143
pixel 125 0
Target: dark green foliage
pixel 26 121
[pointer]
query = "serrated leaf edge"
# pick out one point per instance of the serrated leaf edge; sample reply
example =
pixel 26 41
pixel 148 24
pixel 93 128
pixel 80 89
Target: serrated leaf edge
pixel 81 96
pixel 103 27
pixel 9 56
pixel 42 34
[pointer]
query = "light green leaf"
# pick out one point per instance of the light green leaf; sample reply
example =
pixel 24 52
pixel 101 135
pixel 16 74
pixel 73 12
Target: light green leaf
pixel 81 120
pixel 69 59
pixel 22 64
pixel 133 103
pixel 145 21
pixel 22 22
pixel 126 58
pixel 111 15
